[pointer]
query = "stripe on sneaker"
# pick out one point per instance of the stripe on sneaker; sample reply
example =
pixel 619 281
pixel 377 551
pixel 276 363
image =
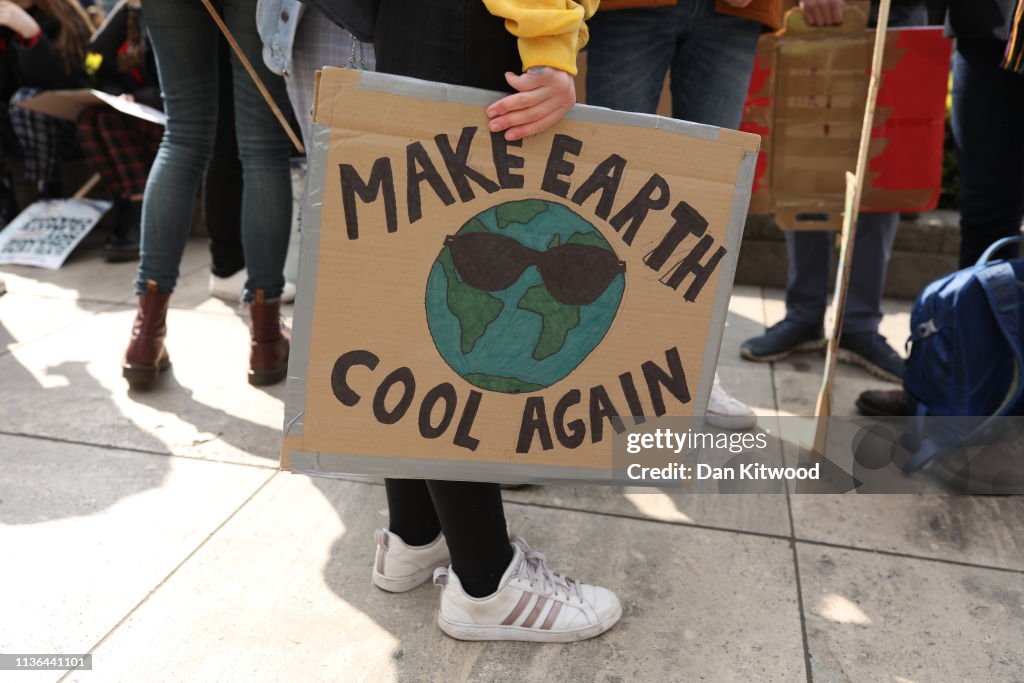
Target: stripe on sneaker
pixel 535 614
pixel 517 610
pixel 552 615
pixel 382 549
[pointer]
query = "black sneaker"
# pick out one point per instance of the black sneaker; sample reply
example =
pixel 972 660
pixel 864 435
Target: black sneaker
pixel 870 351
pixel 783 338
pixel 883 403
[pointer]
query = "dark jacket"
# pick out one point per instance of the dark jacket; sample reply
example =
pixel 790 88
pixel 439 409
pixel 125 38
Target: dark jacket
pixel 107 44
pixel 34 63
pixel 980 19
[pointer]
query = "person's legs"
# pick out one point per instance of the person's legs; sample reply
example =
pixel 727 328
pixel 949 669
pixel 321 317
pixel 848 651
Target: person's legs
pixel 872 249
pixel 712 62
pixel 987 102
pixel 459 42
pixel 712 65
pixel 411 513
pixel 222 189
pixel 94 147
pixel 473 519
pixel 629 54
pixel 810 260
pixel 183 39
pixel 264 150
pixel 9 147
pixel 121 149
pixel 184 43
pixel 44 141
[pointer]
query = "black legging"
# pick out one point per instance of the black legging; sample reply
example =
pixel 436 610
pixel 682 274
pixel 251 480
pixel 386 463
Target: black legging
pixel 473 521
pixel 222 191
pixel 458 42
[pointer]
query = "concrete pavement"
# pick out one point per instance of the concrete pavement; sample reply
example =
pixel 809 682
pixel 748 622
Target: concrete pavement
pixel 155 531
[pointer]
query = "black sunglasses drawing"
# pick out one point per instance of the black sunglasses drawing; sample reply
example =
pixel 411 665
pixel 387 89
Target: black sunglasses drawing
pixel 574 274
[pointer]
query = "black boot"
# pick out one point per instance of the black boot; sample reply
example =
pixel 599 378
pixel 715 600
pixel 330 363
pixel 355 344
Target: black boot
pixel 8 203
pixel 123 242
pixel 51 189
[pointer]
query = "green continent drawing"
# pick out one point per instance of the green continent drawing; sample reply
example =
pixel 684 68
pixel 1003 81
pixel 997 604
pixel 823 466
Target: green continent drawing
pixel 521 212
pixel 557 319
pixel 474 309
pixel 519 339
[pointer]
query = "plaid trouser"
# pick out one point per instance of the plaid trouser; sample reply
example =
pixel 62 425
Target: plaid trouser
pixel 44 140
pixel 120 147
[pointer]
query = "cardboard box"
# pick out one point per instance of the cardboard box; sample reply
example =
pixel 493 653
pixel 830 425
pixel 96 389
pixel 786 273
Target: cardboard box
pixel 480 310
pixel 806 101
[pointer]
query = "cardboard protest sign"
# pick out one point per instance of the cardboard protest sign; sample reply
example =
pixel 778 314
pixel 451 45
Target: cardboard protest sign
pixel 471 308
pixel 806 101
pixel 46 232
pixel 68 104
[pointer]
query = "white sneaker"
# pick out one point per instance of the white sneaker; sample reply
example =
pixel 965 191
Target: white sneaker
pixel 230 288
pixel 399 567
pixel 288 293
pixel 532 603
pixel 727 412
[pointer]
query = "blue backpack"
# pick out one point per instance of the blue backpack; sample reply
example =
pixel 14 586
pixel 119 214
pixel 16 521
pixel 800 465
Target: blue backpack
pixel 967 354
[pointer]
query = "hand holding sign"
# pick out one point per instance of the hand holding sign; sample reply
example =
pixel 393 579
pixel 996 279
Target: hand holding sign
pixel 545 96
pixel 18 20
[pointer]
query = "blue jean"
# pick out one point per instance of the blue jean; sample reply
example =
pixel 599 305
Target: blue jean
pixel 988 103
pixel 184 40
pixel 711 57
pixel 810 252
pixel 810 258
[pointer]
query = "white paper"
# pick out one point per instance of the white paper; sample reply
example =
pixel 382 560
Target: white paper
pixel 45 233
pixel 135 109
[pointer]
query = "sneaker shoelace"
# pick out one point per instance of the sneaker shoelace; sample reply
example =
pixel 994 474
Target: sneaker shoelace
pixel 537 571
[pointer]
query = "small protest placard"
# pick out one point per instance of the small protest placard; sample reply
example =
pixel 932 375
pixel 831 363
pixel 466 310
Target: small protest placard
pixel 46 233
pixel 68 104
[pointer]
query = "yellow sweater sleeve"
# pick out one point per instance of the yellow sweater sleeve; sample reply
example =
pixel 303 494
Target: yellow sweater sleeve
pixel 550 32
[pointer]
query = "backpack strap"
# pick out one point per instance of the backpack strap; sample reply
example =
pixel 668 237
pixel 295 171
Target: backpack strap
pixel 999 281
pixel 1003 292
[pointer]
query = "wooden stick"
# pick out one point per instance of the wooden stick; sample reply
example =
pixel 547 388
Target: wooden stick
pixel 254 76
pixel 854 190
pixel 86 188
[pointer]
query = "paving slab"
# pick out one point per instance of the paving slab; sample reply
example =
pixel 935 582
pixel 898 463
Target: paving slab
pixel 745 320
pixel 796 392
pixel 752 383
pixel 88 532
pixel 758 513
pixel 203 407
pixel 982 530
pixel 874 617
pixel 85 275
pixel 299 604
pixel 25 318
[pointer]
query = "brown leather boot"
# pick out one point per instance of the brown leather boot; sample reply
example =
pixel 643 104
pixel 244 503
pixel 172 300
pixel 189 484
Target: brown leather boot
pixel 146 356
pixel 268 353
